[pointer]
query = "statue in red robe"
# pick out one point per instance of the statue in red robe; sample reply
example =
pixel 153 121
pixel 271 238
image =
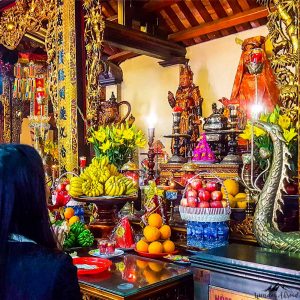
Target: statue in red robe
pixel 244 90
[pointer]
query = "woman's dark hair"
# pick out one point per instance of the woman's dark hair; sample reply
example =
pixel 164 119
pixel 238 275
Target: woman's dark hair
pixel 23 207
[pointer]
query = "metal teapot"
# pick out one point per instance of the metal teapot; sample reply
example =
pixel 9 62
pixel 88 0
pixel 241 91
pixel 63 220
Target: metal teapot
pixel 109 112
pixel 216 121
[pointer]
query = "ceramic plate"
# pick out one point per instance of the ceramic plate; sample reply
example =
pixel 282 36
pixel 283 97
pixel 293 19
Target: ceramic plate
pixel 152 255
pixel 96 253
pixel 126 249
pixel 178 259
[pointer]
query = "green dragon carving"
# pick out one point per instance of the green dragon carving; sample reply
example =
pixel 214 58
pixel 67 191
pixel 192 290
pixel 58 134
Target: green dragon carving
pixel 270 200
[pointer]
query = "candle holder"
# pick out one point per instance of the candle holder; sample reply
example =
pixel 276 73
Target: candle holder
pixel 177 158
pixel 150 154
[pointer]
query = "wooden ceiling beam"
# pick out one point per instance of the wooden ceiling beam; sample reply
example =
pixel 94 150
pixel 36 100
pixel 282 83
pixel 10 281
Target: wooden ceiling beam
pixel 156 5
pixel 240 18
pixel 141 43
pixel 187 13
pixel 121 56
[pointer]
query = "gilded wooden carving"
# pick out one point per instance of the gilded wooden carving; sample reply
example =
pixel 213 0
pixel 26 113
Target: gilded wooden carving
pixel 283 26
pixel 30 16
pixel 93 35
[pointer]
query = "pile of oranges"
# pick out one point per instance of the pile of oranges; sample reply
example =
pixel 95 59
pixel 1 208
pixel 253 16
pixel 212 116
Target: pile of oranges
pixel 70 217
pixel 156 238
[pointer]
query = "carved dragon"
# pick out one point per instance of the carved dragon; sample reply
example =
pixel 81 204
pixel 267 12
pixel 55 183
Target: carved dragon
pixel 270 199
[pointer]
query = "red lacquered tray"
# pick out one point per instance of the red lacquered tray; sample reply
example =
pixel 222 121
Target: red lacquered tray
pixel 152 255
pixel 101 264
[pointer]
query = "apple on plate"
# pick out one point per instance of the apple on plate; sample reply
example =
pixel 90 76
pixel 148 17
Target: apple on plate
pixel 216 196
pixel 203 195
pixel 192 201
pixel 203 204
pixel 191 193
pixel 224 203
pixel 196 184
pixel 211 186
pixel 216 204
pixel 183 202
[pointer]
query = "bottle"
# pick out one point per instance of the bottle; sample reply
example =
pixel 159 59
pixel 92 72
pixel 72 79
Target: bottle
pixel 214 235
pixel 223 230
pixel 206 235
pixel 199 235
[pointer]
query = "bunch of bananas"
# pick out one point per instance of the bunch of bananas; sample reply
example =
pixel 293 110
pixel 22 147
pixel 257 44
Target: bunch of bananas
pixel 76 187
pixel 100 178
pixel 92 188
pixel 114 186
pixel 131 186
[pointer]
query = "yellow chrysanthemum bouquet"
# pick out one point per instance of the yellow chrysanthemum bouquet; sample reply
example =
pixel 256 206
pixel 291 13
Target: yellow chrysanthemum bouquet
pixel 118 142
pixel 263 140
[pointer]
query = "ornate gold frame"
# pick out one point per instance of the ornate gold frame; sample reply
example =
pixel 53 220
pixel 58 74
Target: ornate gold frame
pixel 27 18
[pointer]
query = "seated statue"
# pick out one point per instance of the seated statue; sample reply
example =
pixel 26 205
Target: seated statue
pixel 244 87
pixel 188 98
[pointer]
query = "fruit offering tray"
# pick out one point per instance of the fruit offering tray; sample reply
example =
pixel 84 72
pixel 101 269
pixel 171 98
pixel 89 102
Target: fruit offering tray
pixel 200 214
pixel 108 199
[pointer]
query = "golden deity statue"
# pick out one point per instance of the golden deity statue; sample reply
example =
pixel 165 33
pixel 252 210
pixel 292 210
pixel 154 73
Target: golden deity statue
pixel 187 98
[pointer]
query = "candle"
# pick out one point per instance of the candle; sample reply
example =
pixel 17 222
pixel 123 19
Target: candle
pixel 82 161
pixel 151 120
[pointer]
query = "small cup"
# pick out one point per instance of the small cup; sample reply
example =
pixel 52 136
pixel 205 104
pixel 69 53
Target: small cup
pixel 106 246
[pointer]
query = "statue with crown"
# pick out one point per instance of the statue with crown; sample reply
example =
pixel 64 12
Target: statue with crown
pixel 187 98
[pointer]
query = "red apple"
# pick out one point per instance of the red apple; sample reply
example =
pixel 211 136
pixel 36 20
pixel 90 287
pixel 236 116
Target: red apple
pixel 191 193
pixel 183 202
pixel 185 177
pixel 216 204
pixel 192 201
pixel 216 196
pixel 196 184
pixel 203 195
pixel 211 186
pixel 224 203
pixel 203 204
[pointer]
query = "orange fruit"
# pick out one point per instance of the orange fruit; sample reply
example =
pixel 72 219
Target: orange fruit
pixel 232 187
pixel 231 200
pixel 156 267
pixel 142 246
pixel 241 196
pixel 150 276
pixel 69 213
pixel 155 220
pixel 141 263
pixel 155 248
pixel 168 246
pixel 242 204
pixel 73 220
pixel 165 232
pixel 151 233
